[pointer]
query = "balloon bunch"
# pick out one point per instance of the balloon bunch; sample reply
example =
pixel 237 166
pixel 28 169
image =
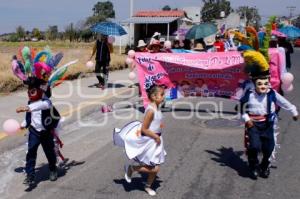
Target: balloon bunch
pixel 287 82
pixel 130 62
pixel 42 65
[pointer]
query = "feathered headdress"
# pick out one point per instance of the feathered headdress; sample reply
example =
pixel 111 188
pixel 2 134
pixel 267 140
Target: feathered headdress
pixel 30 63
pixel 256 55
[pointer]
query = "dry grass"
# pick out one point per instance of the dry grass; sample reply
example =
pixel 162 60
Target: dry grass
pixel 72 51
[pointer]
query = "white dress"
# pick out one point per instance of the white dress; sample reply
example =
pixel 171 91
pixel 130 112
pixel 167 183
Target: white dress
pixel 138 147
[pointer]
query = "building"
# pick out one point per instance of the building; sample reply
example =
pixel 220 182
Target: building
pixel 146 23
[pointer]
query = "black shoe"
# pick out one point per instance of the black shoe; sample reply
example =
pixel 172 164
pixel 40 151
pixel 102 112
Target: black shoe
pixel 265 173
pixel 29 180
pixel 254 172
pixel 53 175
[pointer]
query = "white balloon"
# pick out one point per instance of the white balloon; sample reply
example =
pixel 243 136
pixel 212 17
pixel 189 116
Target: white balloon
pixel 131 53
pixel 131 76
pixel 168 44
pixel 129 61
pixel 89 64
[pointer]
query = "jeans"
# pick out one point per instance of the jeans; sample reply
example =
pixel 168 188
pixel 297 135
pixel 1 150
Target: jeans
pixel 101 67
pixel 261 139
pixel 45 138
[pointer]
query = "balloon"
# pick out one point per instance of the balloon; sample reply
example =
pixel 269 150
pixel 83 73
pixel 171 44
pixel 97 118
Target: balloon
pixel 131 53
pixel 131 76
pixel 129 61
pixel 41 68
pixel 111 40
pixel 11 127
pixel 287 88
pixel 168 45
pixel 287 78
pixel 89 64
pixel 17 71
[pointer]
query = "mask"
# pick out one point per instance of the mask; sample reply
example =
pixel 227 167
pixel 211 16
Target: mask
pixel 34 94
pixel 262 85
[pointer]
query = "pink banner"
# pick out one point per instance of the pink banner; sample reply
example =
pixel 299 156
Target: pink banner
pixel 198 74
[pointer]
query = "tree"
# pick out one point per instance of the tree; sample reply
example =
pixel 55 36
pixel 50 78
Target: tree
pixel 70 32
pixel 20 32
pixel 36 33
pixel 251 13
pixel 52 33
pixel 166 8
pixel 212 8
pixel 101 11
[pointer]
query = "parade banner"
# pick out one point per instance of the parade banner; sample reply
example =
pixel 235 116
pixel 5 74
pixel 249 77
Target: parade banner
pixel 217 74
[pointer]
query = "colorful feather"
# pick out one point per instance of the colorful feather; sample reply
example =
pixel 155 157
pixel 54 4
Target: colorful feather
pixel 253 39
pixel 59 73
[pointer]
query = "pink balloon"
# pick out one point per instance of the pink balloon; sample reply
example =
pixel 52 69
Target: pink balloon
pixel 11 127
pixel 129 61
pixel 89 64
pixel 287 78
pixel 168 45
pixel 131 53
pixel 131 76
pixel 111 40
pixel 287 88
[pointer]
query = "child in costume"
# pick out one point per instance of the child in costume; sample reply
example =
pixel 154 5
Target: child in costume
pixel 41 119
pixel 143 142
pixel 258 112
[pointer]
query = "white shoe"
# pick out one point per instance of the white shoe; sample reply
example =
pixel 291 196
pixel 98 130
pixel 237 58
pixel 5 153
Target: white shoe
pixel 150 191
pixel 127 176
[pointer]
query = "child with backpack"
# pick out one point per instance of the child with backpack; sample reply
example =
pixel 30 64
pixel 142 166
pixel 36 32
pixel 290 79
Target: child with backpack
pixel 41 119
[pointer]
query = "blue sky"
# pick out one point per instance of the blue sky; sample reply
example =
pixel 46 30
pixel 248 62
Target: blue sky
pixel 42 13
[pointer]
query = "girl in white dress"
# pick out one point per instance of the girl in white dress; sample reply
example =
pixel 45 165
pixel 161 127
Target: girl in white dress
pixel 143 142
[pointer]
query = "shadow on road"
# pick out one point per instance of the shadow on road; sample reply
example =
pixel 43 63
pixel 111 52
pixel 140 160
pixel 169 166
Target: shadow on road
pixel 42 172
pixel 109 85
pixel 138 183
pixel 230 158
pixel 170 109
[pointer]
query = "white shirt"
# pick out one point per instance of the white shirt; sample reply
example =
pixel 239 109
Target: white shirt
pixel 36 114
pixel 257 105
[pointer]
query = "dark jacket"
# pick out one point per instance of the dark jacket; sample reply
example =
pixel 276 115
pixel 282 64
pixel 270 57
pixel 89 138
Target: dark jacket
pixel 102 52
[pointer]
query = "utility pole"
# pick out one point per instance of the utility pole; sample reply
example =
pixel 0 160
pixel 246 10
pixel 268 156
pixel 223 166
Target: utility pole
pixel 291 8
pixel 131 31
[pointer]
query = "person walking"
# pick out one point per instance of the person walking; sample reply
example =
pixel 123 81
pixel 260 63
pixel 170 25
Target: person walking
pixel 101 49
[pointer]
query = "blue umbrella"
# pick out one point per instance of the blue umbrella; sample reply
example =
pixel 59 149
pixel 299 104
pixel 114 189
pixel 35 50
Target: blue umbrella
pixel 290 31
pixel 201 31
pixel 108 28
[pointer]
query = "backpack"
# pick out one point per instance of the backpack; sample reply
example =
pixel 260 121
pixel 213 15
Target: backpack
pixel 50 117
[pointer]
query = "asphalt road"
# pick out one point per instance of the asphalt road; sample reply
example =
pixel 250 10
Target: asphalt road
pixel 205 157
